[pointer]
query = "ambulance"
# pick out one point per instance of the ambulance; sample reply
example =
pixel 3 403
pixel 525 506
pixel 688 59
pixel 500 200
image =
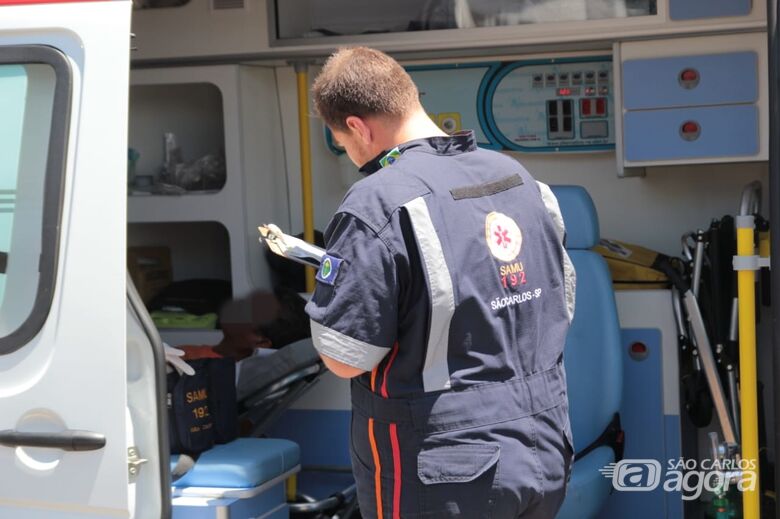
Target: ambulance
pixel 157 135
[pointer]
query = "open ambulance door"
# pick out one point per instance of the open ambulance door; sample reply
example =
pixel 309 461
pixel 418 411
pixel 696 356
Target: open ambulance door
pixel 81 377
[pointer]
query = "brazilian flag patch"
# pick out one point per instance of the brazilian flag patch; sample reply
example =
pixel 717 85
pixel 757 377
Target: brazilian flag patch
pixel 390 158
pixel 329 269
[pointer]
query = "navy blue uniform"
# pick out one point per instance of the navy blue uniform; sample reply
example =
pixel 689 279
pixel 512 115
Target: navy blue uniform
pixel 446 280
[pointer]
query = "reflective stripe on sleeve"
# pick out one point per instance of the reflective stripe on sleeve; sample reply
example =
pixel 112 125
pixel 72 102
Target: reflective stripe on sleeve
pixel 569 275
pixel 345 349
pixel 436 372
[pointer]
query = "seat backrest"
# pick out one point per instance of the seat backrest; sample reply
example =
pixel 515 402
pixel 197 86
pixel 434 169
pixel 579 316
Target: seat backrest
pixel 592 353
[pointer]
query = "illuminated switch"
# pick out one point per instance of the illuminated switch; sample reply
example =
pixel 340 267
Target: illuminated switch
pixel 689 78
pixel 601 106
pixel 690 130
pixel 585 107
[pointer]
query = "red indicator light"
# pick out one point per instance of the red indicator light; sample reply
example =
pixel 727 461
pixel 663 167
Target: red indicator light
pixel 689 75
pixel 564 91
pixel 638 348
pixel 690 127
pixel 601 106
pixel 585 107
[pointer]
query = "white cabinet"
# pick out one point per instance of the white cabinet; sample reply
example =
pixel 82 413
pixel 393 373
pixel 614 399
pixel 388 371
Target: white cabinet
pixel 201 28
pixel 245 30
pixel 215 109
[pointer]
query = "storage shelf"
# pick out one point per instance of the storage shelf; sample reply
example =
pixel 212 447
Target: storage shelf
pixel 190 336
pixel 179 208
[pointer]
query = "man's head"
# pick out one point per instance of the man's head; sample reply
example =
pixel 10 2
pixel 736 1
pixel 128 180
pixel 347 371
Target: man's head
pixel 365 97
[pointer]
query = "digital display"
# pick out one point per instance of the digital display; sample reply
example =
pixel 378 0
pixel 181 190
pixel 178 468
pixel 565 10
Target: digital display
pixel 568 91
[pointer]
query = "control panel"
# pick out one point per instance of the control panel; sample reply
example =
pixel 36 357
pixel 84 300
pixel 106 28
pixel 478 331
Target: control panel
pixel 557 105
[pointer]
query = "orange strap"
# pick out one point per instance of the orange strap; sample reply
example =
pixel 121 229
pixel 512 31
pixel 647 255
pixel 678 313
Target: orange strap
pixel 375 454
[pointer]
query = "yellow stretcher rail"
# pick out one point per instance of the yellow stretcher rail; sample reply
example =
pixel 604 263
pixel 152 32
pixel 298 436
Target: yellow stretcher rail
pixel 302 77
pixel 746 292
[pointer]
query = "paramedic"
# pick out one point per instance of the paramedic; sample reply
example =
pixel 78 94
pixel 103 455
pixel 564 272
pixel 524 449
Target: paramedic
pixel 446 296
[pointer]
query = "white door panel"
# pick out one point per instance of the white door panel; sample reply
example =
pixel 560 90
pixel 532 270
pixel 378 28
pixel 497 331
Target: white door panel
pixel 72 374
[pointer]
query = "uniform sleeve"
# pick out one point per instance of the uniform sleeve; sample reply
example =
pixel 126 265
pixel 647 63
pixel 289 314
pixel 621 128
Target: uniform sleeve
pixel 570 276
pixel 354 307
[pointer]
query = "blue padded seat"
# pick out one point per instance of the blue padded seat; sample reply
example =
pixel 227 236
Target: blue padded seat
pixel 587 493
pixel 242 463
pixel 592 355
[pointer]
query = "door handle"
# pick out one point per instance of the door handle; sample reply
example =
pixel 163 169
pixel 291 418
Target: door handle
pixel 68 440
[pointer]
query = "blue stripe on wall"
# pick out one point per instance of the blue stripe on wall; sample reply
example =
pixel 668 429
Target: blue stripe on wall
pixel 322 435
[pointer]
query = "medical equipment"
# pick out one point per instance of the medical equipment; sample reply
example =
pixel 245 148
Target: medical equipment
pixel 555 105
pixel 544 105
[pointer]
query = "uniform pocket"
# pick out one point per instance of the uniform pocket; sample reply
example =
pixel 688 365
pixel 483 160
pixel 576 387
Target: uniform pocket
pixel 458 480
pixel 456 463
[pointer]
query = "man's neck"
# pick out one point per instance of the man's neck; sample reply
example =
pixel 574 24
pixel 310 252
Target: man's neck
pixel 416 126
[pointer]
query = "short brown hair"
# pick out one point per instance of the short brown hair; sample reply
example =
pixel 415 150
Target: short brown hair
pixel 362 82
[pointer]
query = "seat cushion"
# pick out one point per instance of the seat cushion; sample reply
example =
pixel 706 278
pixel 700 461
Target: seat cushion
pixel 592 356
pixel 588 489
pixel 579 216
pixel 242 463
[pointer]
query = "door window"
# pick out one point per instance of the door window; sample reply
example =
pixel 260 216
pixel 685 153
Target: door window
pixel 34 111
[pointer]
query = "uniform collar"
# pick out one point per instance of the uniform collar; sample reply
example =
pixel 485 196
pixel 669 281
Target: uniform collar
pixel 459 142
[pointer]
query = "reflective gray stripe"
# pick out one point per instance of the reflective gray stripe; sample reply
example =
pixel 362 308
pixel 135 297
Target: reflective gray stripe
pixel 436 371
pixel 345 349
pixel 569 275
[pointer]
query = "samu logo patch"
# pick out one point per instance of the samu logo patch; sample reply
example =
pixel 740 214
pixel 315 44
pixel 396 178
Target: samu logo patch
pixel 329 269
pixel 503 236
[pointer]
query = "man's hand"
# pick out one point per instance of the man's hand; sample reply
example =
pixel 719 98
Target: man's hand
pixel 340 369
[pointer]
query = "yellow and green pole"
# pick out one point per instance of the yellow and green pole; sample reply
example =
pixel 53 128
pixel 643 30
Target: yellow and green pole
pixel 302 78
pixel 746 264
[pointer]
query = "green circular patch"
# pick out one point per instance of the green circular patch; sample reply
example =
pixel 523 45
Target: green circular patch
pixel 327 267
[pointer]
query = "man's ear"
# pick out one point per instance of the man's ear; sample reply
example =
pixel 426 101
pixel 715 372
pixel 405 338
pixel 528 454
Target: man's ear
pixel 359 129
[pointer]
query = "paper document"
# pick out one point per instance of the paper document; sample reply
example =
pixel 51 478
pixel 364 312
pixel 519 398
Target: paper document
pixel 290 247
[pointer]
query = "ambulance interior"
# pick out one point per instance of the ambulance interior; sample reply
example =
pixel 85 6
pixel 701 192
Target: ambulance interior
pixel 650 119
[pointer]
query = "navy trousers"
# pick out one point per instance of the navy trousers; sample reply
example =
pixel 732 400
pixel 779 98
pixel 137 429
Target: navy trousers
pixel 497 450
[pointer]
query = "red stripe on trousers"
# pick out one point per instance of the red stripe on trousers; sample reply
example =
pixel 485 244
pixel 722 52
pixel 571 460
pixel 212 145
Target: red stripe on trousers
pixel 394 443
pixel 375 455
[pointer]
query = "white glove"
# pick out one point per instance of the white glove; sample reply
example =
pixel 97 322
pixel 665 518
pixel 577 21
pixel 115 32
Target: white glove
pixel 173 357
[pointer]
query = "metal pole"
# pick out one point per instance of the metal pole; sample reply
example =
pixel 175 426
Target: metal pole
pixel 748 376
pixel 302 77
pixel 774 213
